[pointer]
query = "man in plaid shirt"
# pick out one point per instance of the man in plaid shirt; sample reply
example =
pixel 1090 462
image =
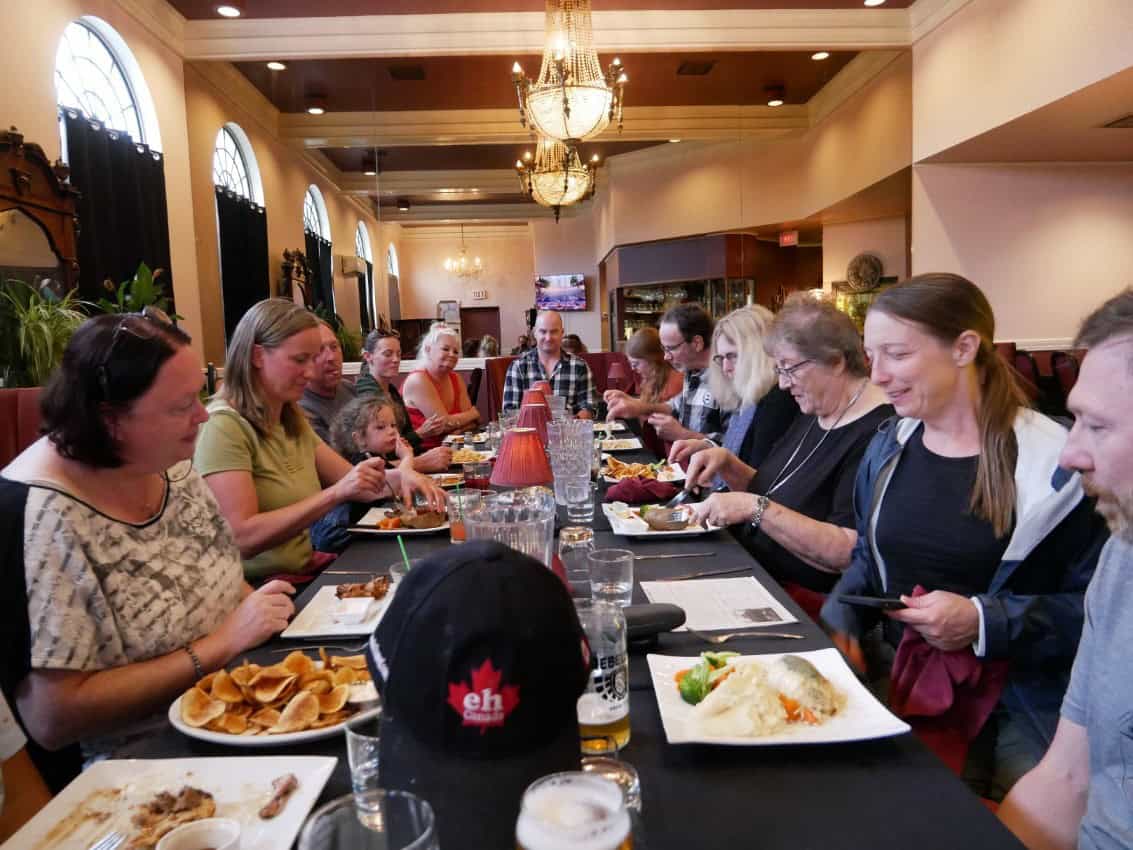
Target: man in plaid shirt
pixel 569 375
pixel 686 336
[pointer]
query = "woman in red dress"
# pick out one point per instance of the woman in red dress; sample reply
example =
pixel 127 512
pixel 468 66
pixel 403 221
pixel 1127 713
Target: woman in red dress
pixel 436 389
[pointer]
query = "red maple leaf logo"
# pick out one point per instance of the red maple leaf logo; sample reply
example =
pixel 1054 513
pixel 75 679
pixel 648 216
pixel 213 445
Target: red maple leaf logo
pixel 485 704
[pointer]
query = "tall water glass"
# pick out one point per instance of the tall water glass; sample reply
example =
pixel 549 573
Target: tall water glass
pixel 603 710
pixel 568 442
pixel 576 810
pixel 575 546
pixel 611 575
pixel 363 739
pixel 523 519
pixel 580 499
pixel 404 822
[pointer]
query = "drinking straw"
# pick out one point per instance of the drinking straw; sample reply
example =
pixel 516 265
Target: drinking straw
pixel 459 503
pixel 404 554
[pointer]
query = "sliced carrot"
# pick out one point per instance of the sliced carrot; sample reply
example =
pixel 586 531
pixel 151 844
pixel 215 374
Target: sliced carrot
pixel 790 706
pixel 681 674
pixel 389 523
pixel 809 717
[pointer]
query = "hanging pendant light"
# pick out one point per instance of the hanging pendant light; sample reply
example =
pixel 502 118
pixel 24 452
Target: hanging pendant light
pixel 556 176
pixel 464 265
pixel 573 99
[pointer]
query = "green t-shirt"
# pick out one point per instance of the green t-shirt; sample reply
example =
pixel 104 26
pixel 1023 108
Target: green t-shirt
pixel 283 472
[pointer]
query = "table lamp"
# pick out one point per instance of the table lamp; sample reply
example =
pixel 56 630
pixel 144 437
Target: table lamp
pixel 522 461
pixel 617 377
pixel 534 396
pixel 544 386
pixel 535 416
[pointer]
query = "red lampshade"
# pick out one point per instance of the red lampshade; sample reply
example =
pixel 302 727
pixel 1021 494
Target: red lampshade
pixel 535 416
pixel 617 376
pixel 534 396
pixel 544 386
pixel 522 461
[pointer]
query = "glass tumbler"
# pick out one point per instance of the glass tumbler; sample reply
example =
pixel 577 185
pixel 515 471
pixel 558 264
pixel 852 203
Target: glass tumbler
pixel 580 499
pixel 611 575
pixel 575 545
pixel 403 821
pixel 460 502
pixel 363 740
pixel 603 710
pixel 573 809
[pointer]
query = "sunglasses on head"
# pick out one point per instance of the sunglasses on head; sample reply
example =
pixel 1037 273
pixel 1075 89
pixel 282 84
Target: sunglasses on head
pixel 146 324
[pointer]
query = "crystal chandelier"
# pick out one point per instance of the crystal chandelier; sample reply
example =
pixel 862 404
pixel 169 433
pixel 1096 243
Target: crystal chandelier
pixel 573 99
pixel 463 265
pixel 556 177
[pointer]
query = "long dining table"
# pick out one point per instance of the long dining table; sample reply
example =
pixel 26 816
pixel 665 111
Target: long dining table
pixel 886 793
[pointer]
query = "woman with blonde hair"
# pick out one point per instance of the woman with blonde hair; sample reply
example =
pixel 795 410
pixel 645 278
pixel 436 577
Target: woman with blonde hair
pixel 963 498
pixel 271 474
pixel 436 390
pixel 742 380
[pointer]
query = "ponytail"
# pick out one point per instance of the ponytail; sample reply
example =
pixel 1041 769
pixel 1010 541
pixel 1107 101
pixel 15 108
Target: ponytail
pixel 993 495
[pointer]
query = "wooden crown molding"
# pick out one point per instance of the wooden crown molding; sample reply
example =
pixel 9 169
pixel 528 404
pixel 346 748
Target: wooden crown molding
pixel 161 19
pixel 856 75
pixel 927 15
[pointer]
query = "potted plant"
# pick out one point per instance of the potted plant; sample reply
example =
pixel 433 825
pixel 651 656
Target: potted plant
pixel 144 289
pixel 35 327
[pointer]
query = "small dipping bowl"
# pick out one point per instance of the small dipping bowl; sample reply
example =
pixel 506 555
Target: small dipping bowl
pixel 207 834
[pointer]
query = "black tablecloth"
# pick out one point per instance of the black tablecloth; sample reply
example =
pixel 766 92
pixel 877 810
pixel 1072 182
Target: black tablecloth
pixel 890 793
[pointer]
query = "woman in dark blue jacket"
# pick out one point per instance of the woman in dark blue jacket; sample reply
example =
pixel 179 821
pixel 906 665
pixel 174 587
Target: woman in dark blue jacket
pixel 963 497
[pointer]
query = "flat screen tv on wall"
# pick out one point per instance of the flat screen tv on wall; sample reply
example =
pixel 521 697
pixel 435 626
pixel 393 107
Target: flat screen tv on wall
pixel 560 292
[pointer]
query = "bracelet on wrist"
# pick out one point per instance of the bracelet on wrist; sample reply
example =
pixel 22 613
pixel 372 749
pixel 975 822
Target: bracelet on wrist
pixel 761 503
pixel 198 670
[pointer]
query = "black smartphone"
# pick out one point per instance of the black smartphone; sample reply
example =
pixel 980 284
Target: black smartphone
pixel 883 602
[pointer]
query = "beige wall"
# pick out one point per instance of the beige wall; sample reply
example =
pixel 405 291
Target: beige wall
pixel 509 273
pixel 884 237
pixel 995 60
pixel 569 247
pixel 688 189
pixel 1046 243
pixel 285 175
pixel 27 67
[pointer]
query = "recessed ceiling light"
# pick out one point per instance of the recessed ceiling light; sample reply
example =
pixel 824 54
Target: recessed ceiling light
pixel 316 104
pixel 277 66
pixel 673 141
pixel 230 8
pixel 775 94
pixel 403 204
pixel 775 102
pixel 315 110
pixel 820 55
pixel 369 173
pixel 874 2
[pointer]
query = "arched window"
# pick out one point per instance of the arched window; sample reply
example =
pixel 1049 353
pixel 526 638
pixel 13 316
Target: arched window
pixel 233 164
pixel 362 244
pixel 96 74
pixel 391 261
pixel 316 228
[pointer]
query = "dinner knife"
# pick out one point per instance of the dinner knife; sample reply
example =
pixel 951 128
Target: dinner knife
pixel 637 557
pixel 705 573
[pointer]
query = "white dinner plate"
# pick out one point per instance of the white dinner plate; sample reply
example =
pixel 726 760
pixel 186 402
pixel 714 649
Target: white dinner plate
pixel 101 798
pixel 861 719
pixel 447 479
pixel 637 527
pixel 316 620
pixel 669 473
pixel 368 524
pixel 621 444
pixel 616 425
pixel 259 741
pixel 488 455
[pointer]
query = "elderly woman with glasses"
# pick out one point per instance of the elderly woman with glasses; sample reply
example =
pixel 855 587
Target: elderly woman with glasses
pixel 795 512
pixel 742 380
pixel 128 585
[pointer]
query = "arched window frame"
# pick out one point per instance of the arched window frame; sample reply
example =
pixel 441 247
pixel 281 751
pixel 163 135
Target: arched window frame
pixel 315 218
pixel 362 243
pixel 391 261
pixel 232 141
pixel 100 34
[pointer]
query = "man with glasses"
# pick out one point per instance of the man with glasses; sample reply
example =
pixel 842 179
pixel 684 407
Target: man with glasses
pixel 686 334
pixel 326 392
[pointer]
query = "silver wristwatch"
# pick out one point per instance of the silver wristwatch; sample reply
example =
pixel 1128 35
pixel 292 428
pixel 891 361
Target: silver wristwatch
pixel 761 503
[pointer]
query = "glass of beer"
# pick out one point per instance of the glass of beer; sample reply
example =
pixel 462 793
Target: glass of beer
pixel 576 810
pixel 603 711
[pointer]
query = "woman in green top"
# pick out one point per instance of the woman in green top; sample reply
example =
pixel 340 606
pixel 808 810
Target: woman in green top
pixel 270 473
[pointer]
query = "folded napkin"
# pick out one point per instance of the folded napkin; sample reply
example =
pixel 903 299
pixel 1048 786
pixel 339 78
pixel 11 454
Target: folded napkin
pixel 946 696
pixel 640 491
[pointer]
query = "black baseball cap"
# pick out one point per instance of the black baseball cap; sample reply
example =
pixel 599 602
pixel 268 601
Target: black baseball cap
pixel 480 660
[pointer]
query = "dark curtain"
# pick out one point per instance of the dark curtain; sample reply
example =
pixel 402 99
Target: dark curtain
pixel 366 300
pixel 123 218
pixel 243 228
pixel 321 262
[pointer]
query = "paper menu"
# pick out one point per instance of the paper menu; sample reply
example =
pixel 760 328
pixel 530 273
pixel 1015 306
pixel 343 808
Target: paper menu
pixel 720 603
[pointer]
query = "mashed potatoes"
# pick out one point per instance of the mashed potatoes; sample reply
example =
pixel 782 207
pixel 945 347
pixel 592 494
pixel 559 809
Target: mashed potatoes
pixel 762 699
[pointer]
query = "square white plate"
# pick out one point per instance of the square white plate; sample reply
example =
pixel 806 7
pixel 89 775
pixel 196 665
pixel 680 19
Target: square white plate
pixel 316 619
pixel 486 455
pixel 616 425
pixel 621 444
pixel 240 786
pixel 637 527
pixel 863 717
pixel 368 524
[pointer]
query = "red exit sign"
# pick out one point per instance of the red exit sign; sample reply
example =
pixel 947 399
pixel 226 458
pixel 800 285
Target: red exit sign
pixel 788 239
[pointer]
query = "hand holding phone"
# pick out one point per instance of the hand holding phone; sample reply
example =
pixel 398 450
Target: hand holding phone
pixel 885 603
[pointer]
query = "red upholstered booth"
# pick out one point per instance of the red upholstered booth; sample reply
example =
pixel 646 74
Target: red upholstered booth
pixel 19 421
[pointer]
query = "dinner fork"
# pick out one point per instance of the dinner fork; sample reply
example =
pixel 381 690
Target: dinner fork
pixel 718 639
pixel 109 841
pixel 338 646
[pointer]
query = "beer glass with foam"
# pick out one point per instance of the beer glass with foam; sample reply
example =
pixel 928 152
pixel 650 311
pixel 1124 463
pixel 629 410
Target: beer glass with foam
pixel 575 811
pixel 603 711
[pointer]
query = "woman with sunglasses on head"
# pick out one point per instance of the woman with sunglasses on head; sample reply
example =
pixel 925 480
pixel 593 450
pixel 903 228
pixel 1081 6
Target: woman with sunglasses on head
pixel 436 390
pixel 130 585
pixel 742 380
pixel 271 474
pixel 795 512
pixel 381 353
pixel 963 497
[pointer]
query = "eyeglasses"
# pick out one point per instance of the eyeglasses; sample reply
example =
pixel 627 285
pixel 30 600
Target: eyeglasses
pixel 146 324
pixel 731 357
pixel 671 349
pixel 788 372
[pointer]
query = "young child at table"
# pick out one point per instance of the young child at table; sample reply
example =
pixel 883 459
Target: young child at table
pixel 366 427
